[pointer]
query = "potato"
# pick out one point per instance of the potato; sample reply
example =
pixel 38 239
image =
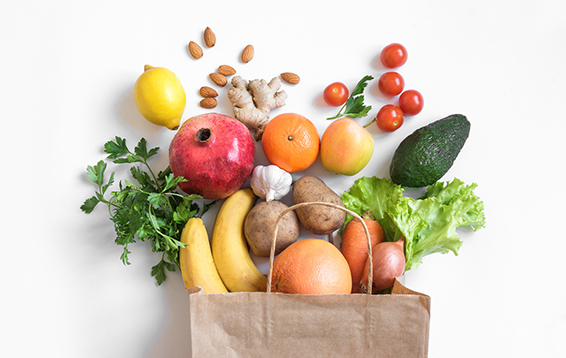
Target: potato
pixel 260 224
pixel 318 219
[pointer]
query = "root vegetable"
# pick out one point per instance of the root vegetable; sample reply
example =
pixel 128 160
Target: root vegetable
pixel 253 101
pixel 259 228
pixel 318 219
pixel 388 263
pixel 355 247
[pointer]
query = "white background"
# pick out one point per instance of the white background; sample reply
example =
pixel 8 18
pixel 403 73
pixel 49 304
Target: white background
pixel 68 70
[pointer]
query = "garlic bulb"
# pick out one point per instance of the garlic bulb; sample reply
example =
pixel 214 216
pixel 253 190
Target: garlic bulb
pixel 270 182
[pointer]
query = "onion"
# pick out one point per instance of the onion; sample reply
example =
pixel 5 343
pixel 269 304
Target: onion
pixel 388 263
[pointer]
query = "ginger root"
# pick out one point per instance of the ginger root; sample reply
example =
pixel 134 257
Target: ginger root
pixel 253 101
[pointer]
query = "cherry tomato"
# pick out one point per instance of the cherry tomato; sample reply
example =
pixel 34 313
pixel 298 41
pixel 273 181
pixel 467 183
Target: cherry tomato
pixel 389 118
pixel 391 83
pixel 336 94
pixel 393 56
pixel 411 102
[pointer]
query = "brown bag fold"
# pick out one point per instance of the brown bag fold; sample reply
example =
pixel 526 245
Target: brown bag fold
pixel 265 324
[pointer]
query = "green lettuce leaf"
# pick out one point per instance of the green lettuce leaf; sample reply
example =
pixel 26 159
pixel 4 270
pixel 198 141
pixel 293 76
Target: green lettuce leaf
pixel 378 196
pixel 428 223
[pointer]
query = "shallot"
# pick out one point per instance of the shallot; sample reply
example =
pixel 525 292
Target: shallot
pixel 388 263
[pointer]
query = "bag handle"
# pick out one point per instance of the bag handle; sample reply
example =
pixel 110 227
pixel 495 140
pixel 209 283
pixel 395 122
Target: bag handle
pixel 296 206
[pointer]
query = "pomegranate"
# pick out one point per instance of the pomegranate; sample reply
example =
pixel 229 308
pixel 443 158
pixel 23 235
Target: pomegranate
pixel 215 153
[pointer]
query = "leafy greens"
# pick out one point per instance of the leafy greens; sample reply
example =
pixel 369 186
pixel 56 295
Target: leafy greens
pixel 428 223
pixel 150 210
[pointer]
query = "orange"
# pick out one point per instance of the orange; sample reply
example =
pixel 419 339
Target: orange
pixel 311 267
pixel 291 142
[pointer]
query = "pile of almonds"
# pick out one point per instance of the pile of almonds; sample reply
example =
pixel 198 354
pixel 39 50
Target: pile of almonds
pixel 219 77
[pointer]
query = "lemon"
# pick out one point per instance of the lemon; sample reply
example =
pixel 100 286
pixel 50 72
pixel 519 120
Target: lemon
pixel 160 97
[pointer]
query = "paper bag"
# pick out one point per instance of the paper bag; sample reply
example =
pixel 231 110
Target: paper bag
pixel 265 324
pixel 260 324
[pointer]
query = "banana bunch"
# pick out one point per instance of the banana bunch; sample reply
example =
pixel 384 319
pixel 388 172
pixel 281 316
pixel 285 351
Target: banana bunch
pixel 227 265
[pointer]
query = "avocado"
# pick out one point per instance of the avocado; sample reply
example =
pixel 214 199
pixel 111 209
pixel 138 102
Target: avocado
pixel 426 155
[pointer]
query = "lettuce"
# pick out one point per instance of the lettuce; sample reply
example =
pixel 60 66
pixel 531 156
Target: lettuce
pixel 428 223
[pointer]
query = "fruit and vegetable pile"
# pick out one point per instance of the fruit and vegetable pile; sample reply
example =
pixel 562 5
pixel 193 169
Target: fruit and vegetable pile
pixel 212 162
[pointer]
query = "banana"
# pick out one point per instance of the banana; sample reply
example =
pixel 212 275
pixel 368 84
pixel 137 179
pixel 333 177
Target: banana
pixel 197 265
pixel 230 248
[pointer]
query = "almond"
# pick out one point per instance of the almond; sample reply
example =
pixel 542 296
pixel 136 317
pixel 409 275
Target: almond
pixel 208 92
pixel 247 54
pixel 218 79
pixel 195 50
pixel 290 77
pixel 208 102
pixel 226 70
pixel 209 37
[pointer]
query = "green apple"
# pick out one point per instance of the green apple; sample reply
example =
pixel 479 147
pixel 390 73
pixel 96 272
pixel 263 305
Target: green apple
pixel 346 147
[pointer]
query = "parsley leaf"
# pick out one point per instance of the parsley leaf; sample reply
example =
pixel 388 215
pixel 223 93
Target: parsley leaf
pixel 146 208
pixel 354 106
pixel 96 173
pixel 141 150
pixel 158 271
pixel 116 148
pixel 89 204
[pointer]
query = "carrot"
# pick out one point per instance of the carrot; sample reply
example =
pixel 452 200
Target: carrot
pixel 355 246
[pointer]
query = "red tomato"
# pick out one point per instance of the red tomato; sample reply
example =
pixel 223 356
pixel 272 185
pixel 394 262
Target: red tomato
pixel 393 56
pixel 336 94
pixel 411 102
pixel 391 83
pixel 389 118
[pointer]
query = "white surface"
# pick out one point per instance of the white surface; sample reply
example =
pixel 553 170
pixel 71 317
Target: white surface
pixel 68 70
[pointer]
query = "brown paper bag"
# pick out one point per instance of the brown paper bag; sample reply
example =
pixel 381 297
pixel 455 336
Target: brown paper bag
pixel 260 324
pixel 264 324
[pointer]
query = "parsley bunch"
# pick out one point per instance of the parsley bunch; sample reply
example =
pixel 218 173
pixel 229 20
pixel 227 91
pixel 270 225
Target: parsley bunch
pixel 354 106
pixel 150 210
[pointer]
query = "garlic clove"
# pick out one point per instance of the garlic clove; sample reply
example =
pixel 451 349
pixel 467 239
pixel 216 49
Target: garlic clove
pixel 270 182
